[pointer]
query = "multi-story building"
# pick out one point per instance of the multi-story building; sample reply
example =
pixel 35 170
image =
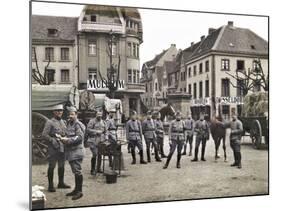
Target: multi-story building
pixel 205 64
pixel 101 28
pixel 54 48
pixel 155 78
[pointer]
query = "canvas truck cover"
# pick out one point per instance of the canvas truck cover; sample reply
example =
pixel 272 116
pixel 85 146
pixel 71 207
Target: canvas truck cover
pixel 44 97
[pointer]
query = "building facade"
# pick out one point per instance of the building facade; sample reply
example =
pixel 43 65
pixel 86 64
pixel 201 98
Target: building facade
pixel 155 75
pixel 228 49
pixel 54 48
pixel 111 35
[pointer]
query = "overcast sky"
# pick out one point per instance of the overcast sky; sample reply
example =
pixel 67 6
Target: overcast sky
pixel 163 28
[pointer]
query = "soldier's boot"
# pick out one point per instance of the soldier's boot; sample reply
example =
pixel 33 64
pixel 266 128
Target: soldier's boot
pixel 78 193
pixel 93 165
pixel 133 153
pixel 184 149
pixel 157 157
pixel 99 164
pixel 167 161
pixel 239 160
pixel 141 157
pixel 50 180
pixel 162 152
pixel 179 161
pixel 235 160
pixel 72 193
pixel 203 154
pixel 61 179
pixel 195 156
pixel 148 155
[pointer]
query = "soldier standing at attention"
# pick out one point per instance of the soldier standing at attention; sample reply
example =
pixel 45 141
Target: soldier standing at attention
pixel 160 134
pixel 53 127
pixel 134 137
pixel 149 132
pixel 189 126
pixel 97 133
pixel 236 127
pixel 176 133
pixel 74 150
pixel 202 135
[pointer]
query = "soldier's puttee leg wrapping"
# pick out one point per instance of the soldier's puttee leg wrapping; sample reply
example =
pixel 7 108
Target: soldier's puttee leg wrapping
pixel 51 167
pixel 172 150
pixel 94 151
pixel 61 162
pixel 235 145
pixel 140 148
pixel 179 149
pixel 133 152
pixel 160 142
pixel 77 171
pixel 148 142
pixel 156 149
pixel 190 141
pixel 185 146
pixel 234 151
pixel 203 147
pixel 197 143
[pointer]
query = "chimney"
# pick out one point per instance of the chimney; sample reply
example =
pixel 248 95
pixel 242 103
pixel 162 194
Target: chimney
pixel 230 23
pixel 192 43
pixel 202 37
pixel 211 30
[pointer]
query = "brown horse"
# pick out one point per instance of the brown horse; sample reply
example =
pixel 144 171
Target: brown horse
pixel 218 132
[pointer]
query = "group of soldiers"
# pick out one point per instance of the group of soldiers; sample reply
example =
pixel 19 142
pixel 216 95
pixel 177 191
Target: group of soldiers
pixel 66 141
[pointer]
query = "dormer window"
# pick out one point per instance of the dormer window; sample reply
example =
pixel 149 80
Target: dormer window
pixel 253 47
pixel 93 18
pixel 52 32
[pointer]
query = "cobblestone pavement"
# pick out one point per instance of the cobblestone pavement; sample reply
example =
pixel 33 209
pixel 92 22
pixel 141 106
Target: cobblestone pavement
pixel 143 183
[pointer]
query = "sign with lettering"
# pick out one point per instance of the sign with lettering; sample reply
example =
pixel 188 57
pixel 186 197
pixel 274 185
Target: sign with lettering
pixel 102 85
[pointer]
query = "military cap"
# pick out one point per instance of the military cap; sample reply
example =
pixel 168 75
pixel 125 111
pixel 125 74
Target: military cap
pixel 148 112
pixel 133 113
pixel 57 107
pixel 71 109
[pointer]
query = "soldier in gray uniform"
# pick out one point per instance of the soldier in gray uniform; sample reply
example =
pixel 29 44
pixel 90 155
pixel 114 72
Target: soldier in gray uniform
pixel 177 137
pixel 149 132
pixel 160 134
pixel 189 129
pixel 74 150
pixel 53 127
pixel 112 134
pixel 202 135
pixel 236 127
pixel 134 137
pixel 97 133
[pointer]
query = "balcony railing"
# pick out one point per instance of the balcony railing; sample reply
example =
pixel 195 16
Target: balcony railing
pixel 101 27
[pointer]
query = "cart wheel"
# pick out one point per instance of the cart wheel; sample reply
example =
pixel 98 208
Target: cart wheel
pixel 256 134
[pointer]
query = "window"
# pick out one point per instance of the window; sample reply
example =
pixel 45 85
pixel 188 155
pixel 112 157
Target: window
pixel 131 24
pixel 194 91
pixel 50 73
pixel 207 92
pixel 64 75
pixel 134 50
pixel 134 76
pixel 194 70
pixel 189 72
pixel 150 87
pixel 33 53
pixel 92 48
pixel 189 88
pixel 64 54
pixel 127 23
pixel 207 67
pixel 138 50
pixel 92 74
pixel 93 18
pixel 225 111
pixel 129 49
pixel 129 75
pixel 146 88
pixel 49 54
pixel 114 49
pixel 138 76
pixel 52 32
pixel 240 65
pixel 225 64
pixel 184 89
pixel 200 68
pixel 200 89
pixel 240 84
pixel 156 86
pixel 225 92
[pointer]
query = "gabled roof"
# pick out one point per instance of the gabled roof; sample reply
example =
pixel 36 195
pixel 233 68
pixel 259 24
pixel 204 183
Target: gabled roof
pixel 241 40
pixel 66 26
pixel 155 59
